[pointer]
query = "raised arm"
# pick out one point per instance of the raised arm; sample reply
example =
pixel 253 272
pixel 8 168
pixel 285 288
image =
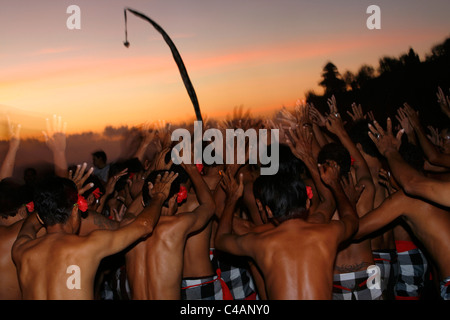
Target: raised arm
pixel 362 172
pixel 388 211
pixel 432 153
pixel 225 239
pixel 55 138
pixel 148 134
pixel 300 144
pixel 7 167
pixel 444 102
pixel 412 181
pixel 109 242
pixel 347 213
pixel 200 215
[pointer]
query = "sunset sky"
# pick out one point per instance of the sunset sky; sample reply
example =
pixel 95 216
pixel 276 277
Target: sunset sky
pixel 256 53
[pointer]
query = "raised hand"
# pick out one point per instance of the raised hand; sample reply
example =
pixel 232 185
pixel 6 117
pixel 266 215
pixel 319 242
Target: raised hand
pixel 7 167
pixel 300 143
pixel 412 115
pixel 14 134
pixel 387 181
pixel 164 134
pixel 55 136
pixel 435 136
pixel 444 102
pixel 334 124
pixel 330 173
pixel 315 116
pixel 402 118
pixel 385 141
pixel 111 183
pixel 357 113
pixel 352 191
pixel 80 176
pixel 160 161
pixel 229 184
pixel 333 106
pixel 162 184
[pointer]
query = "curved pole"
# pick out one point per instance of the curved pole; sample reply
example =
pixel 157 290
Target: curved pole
pixel 176 55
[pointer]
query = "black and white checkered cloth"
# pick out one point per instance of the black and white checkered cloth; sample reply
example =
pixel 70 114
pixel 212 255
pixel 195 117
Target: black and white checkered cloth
pixel 387 261
pixel 231 273
pixel 207 288
pixel 353 286
pixel 445 288
pixel 412 271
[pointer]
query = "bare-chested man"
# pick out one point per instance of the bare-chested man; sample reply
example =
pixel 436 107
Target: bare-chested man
pixel 296 253
pixel 353 258
pixel 155 265
pixel 429 222
pixel 61 264
pixel 11 219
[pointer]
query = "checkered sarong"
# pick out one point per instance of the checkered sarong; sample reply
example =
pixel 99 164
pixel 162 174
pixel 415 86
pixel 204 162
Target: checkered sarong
pixel 386 260
pixel 353 286
pixel 206 288
pixel 445 288
pixel 235 274
pixel 412 271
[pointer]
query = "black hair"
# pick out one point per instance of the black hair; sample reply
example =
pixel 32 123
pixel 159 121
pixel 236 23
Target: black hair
pixel 10 201
pixel 100 154
pixel 359 133
pixel 335 152
pixel 285 195
pixel 288 163
pixel 54 199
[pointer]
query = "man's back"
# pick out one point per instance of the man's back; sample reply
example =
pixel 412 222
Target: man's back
pixel 10 289
pixel 57 266
pixel 296 259
pixel 155 264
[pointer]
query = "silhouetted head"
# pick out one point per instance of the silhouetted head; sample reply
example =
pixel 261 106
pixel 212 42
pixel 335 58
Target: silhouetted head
pixel 281 196
pixel 289 164
pixel 10 200
pixel 55 199
pixel 337 153
pixel 99 158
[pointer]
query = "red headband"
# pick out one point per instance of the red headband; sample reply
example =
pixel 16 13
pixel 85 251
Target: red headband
pixel 182 194
pixel 82 203
pixel 309 192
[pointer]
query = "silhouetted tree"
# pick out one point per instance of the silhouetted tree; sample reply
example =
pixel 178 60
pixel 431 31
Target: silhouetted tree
pixel 364 74
pixel 332 80
pixel 350 80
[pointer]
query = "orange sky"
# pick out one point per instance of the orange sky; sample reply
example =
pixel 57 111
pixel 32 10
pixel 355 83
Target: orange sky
pixel 258 54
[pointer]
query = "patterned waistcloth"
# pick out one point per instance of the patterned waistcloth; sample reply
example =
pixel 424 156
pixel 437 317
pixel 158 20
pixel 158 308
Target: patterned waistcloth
pixel 412 272
pixel 206 288
pixel 353 286
pixel 445 288
pixel 387 261
pixel 231 282
pixel 235 274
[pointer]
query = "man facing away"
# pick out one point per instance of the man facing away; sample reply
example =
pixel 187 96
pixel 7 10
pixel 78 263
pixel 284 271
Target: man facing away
pixel 61 264
pixel 295 252
pixel 155 264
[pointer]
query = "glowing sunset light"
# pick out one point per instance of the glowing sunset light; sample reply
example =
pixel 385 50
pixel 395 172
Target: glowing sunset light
pixel 260 55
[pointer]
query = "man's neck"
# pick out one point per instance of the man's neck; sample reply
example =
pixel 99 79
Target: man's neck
pixel 60 228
